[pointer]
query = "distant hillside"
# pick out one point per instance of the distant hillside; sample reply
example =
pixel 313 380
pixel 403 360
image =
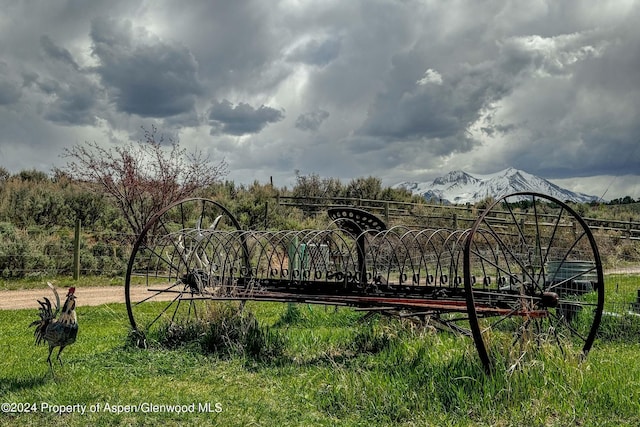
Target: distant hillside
pixel 459 187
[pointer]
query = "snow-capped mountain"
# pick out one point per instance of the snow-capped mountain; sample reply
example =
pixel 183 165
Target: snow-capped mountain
pixel 459 187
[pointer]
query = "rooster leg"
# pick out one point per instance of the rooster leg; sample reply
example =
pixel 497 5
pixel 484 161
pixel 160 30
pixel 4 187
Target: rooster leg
pixel 60 351
pixel 49 358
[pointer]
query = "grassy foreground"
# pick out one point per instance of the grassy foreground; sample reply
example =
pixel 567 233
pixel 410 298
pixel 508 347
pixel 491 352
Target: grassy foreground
pixel 331 369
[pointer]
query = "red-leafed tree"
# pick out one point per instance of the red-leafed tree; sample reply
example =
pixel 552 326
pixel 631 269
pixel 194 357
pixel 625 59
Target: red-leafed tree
pixel 145 176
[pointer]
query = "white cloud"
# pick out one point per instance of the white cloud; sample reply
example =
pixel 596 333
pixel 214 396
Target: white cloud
pixel 430 76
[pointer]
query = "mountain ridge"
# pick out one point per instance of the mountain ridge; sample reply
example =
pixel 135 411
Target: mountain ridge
pixel 460 187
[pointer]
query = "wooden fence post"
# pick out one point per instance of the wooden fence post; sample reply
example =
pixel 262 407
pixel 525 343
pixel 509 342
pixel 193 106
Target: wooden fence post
pixel 76 250
pixel 386 212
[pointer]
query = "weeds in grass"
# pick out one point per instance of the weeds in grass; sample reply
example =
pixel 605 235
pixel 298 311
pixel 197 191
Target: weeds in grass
pixel 227 333
pixel 291 316
pixel 371 338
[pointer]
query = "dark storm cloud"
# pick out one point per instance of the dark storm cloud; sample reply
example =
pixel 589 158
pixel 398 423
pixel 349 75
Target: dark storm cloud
pixel 434 87
pixel 10 88
pixel 241 119
pixel 144 75
pixel 311 120
pixel 435 112
pixel 574 107
pixel 47 86
pixel 438 103
pixel 359 46
pixel 57 52
pixel 68 103
pixel 237 43
pixel 72 97
pixel 73 104
pixel 9 91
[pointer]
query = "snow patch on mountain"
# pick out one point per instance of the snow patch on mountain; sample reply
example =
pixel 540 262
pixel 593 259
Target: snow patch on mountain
pixel 459 187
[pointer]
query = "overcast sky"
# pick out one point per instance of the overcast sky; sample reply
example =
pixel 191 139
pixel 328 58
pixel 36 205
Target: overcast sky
pixel 399 89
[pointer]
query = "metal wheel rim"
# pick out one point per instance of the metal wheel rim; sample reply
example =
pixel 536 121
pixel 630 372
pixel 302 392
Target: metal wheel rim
pixel 175 307
pixel 475 296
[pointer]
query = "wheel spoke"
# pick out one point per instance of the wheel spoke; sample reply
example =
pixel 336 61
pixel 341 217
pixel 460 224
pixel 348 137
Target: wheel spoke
pixel 177 298
pixel 158 293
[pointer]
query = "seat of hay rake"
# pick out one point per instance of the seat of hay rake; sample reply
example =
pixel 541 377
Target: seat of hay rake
pixel 527 273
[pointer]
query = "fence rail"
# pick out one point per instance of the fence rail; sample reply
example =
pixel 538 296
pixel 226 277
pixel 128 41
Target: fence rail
pixel 454 215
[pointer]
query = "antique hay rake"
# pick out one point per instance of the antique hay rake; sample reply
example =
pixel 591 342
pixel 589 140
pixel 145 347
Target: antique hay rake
pixel 526 274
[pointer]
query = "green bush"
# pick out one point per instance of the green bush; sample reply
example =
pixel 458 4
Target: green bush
pixel 21 254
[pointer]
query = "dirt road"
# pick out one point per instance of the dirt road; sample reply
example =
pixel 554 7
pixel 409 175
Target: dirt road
pixel 86 296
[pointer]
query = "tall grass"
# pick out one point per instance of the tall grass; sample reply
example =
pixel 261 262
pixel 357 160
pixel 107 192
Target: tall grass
pixel 226 332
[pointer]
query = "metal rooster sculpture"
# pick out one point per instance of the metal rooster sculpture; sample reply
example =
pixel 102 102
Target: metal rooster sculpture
pixel 57 332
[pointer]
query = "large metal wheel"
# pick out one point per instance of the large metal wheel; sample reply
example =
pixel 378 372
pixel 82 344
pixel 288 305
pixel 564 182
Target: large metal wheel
pixel 174 270
pixel 533 280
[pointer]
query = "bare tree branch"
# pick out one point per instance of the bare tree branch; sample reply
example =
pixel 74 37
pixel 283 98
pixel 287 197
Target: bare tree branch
pixel 145 176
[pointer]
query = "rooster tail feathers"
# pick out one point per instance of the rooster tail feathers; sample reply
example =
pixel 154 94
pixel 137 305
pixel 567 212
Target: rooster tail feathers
pixel 46 316
pixel 55 292
pixel 41 326
pixel 40 330
pixel 35 322
pixel 45 309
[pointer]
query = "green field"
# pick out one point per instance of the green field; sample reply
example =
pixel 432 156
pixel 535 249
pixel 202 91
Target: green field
pixel 323 367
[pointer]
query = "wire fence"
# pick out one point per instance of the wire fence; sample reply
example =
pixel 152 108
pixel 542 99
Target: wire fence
pixel 38 252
